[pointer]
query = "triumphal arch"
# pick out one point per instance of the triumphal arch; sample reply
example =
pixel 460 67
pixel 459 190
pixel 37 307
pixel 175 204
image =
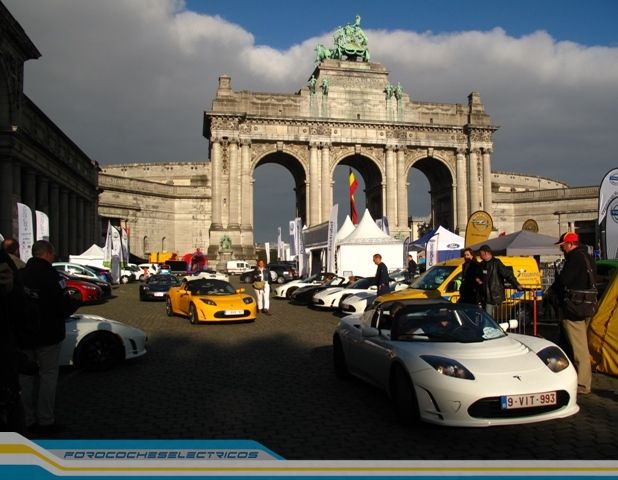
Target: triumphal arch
pixel 350 113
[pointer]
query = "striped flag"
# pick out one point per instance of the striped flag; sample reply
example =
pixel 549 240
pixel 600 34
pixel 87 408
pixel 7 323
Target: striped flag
pixel 353 187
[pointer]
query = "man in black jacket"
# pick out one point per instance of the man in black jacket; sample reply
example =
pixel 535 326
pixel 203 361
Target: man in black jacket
pixel 381 278
pixel 574 276
pixel 491 281
pixel 470 271
pixel 47 292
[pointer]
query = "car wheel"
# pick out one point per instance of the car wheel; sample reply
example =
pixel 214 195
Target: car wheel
pixel 168 307
pixel 280 279
pixel 339 362
pixel 193 315
pixel 99 351
pixel 142 277
pixel 289 292
pixel 124 279
pixel 404 398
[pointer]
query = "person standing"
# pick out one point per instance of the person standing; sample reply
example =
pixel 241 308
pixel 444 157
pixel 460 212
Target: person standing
pixel 261 275
pixel 381 278
pixel 469 288
pixel 412 268
pixel 11 246
pixel 491 280
pixel 577 273
pixel 47 289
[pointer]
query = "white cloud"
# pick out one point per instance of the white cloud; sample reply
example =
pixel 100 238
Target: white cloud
pixel 128 81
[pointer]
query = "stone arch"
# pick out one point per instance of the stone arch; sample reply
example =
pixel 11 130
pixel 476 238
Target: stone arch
pixel 372 172
pixel 6 106
pixel 442 183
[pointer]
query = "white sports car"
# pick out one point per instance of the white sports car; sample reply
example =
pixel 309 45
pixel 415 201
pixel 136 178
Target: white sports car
pixel 452 364
pixel 286 290
pixel 358 302
pixel 331 297
pixel 211 274
pixel 97 343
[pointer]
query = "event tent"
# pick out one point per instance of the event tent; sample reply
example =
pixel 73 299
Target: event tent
pixel 355 252
pixel 521 243
pixel 446 243
pixel 603 332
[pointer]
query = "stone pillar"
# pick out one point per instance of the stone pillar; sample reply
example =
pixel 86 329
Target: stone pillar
pixel 461 186
pixel 88 224
pixel 6 198
pixel 29 189
pixel 391 185
pixel 487 196
pixel 215 159
pixel 81 225
pixel 62 249
pixel 245 185
pixel 475 201
pixel 42 195
pixel 234 193
pixel 54 215
pixel 72 219
pixel 17 181
pixel 402 190
pixel 314 191
pixel 326 183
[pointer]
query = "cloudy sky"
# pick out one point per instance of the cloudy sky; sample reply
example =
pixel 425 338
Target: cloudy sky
pixel 128 81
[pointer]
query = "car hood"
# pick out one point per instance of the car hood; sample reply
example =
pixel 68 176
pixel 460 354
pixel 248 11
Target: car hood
pixel 84 318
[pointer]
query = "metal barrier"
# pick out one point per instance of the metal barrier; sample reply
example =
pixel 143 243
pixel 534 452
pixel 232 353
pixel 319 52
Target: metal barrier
pixel 525 306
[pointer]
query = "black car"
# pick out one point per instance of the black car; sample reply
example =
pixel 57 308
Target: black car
pixel 304 295
pixel 156 286
pixel 281 272
pixel 106 287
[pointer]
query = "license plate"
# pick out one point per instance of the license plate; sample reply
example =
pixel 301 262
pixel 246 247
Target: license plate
pixel 234 312
pixel 509 402
pixel 159 294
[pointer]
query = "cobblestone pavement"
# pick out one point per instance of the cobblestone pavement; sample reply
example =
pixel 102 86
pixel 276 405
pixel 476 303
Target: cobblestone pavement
pixel 272 381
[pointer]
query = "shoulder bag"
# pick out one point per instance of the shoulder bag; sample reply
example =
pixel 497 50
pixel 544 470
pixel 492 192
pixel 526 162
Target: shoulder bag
pixel 581 304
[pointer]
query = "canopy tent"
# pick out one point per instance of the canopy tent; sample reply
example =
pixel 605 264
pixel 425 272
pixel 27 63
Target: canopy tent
pixel 603 332
pixel 443 244
pixel 346 229
pixel 355 252
pixel 521 243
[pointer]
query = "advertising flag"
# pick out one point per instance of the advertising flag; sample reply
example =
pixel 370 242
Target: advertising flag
pixel 267 248
pixel 107 249
pixel 480 225
pixel 607 192
pixel 332 235
pixel 125 247
pixel 611 230
pixel 25 231
pixel 42 225
pixel 431 252
pixel 353 187
pixel 280 253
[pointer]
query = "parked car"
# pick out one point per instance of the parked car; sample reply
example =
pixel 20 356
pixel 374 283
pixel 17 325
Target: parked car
pixel 155 287
pixel 285 290
pixel 210 300
pixel 304 295
pixel 237 267
pixel 332 297
pixel 207 274
pixel 106 287
pixel 97 343
pixel 84 292
pixel 452 364
pixel 102 273
pixel 282 272
pixel 82 271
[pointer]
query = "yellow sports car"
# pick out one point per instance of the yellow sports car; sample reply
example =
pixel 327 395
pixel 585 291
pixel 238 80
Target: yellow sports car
pixel 210 300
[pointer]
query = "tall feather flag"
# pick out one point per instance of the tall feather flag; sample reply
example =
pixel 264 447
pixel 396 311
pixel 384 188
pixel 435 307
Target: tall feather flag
pixel 353 187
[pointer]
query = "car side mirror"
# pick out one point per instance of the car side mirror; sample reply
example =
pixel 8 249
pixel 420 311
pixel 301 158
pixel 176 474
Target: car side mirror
pixel 370 331
pixel 510 325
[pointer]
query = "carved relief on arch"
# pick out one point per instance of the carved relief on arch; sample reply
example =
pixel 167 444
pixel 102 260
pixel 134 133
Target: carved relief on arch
pixel 261 150
pixel 375 154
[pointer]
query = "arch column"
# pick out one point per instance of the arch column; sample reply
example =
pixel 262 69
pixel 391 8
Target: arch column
pixel 81 225
pixel 327 202
pixel 72 220
pixel 462 207
pixel 62 248
pixel 314 192
pixel 391 185
pixel 234 192
pixel 246 189
pixel 6 198
pixel 402 190
pixel 487 194
pixel 29 189
pixel 474 181
pixel 215 158
pixel 54 214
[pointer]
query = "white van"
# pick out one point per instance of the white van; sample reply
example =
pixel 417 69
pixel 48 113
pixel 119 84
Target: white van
pixel 236 267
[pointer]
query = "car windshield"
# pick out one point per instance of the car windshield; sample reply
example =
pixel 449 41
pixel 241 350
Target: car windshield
pixel 432 278
pixel 162 280
pixel 444 323
pixel 210 287
pixel 362 284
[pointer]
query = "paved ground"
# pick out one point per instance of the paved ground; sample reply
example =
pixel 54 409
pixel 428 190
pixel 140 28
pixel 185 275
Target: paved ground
pixel 272 381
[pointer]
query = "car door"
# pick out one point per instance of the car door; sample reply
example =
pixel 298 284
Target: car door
pixel 184 299
pixel 374 352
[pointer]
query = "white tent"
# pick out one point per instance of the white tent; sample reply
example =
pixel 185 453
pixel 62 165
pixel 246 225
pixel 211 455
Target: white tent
pixel 355 252
pixel 442 246
pixel 93 256
pixel 346 229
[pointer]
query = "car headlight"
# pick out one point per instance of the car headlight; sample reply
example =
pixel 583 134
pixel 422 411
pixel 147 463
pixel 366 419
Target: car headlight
pixel 554 359
pixel 91 289
pixel 248 300
pixel 145 288
pixel 208 301
pixel 448 367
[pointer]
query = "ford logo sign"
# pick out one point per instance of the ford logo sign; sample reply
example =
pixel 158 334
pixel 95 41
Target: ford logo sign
pixel 613 179
pixel 456 245
pixel 614 213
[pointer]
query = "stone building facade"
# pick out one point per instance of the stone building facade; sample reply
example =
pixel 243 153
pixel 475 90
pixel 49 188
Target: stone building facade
pixel 39 165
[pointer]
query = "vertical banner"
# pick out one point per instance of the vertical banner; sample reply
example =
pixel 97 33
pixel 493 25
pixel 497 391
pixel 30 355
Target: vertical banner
pixel 332 235
pixel 280 252
pixel 25 231
pixel 300 246
pixel 431 251
pixel 42 225
pixel 125 248
pixel 267 248
pixel 611 230
pixel 294 250
pixel 107 249
pixel 480 225
pixel 353 186
pixel 607 192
